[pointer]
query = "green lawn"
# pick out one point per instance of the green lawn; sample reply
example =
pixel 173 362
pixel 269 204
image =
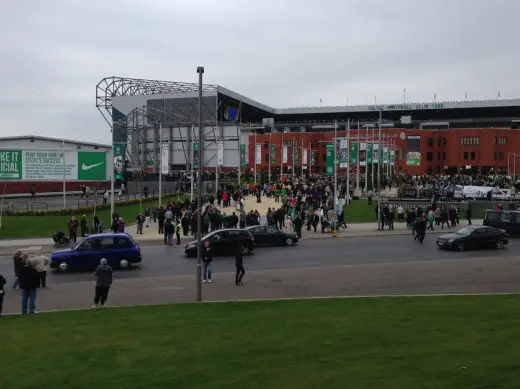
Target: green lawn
pixel 46 226
pixel 359 211
pixel 390 343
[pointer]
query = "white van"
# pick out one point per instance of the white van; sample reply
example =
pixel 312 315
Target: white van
pixel 471 192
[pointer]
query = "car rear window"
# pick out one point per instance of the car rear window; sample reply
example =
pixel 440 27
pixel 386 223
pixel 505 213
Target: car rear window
pixel 492 216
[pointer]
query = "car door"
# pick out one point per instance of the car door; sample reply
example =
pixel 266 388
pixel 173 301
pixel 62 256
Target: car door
pixel 514 224
pixel 259 236
pixel 124 248
pixel 107 249
pixel 81 256
pixel 481 238
pixel 218 242
pixel 274 236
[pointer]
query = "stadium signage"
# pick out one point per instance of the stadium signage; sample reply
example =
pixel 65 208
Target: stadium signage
pixel 404 107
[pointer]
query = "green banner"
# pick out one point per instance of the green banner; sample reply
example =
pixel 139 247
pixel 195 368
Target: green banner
pixel 273 155
pixel 92 166
pixel 313 158
pixel 295 156
pixel 242 155
pixel 119 157
pixel 329 160
pixel 354 153
pixel 196 155
pixel 11 164
pixel 370 153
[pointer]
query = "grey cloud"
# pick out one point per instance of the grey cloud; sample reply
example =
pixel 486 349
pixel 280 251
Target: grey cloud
pixel 282 53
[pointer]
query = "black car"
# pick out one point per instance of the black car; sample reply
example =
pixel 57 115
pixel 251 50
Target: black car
pixel 271 236
pixel 509 221
pixel 473 238
pixel 224 242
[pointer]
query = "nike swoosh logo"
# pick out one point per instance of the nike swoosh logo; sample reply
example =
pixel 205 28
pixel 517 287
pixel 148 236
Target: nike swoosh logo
pixel 88 167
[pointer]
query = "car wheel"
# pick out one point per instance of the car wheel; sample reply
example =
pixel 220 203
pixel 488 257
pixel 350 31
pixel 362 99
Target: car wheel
pixel 500 244
pixel 244 249
pixel 288 242
pixel 460 246
pixel 63 267
pixel 124 264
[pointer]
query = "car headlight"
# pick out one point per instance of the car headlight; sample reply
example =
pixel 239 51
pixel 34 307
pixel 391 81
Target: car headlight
pixel 451 241
pixel 190 246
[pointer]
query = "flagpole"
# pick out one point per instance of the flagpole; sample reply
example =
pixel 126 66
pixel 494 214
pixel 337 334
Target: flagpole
pixel 254 160
pixel 349 159
pixel 335 164
pixel 270 154
pixel 302 156
pixel 357 159
pixel 293 153
pixel 372 170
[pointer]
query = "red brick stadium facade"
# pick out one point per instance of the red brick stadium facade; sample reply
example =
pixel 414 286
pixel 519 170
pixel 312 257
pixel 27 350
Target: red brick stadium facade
pixel 442 151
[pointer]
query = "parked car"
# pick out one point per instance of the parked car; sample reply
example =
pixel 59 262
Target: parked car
pixel 119 249
pixel 473 238
pixel 271 236
pixel 509 221
pixel 224 242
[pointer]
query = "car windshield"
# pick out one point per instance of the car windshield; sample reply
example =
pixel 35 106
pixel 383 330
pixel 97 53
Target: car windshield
pixel 464 231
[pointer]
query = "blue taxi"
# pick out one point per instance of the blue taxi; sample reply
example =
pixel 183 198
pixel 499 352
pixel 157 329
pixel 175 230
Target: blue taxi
pixel 119 249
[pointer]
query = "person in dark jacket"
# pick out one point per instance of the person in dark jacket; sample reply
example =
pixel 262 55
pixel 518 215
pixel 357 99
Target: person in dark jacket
pixel 104 280
pixel 29 283
pixel 18 263
pixel 239 263
pixel 168 232
pixel 207 262
pixel 3 281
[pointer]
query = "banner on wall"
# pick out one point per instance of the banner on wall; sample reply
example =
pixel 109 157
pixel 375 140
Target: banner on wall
pixel 57 165
pixel 354 153
pixel 392 157
pixel 375 153
pixel 370 153
pixel 304 157
pixel 220 153
pixel 385 154
pixel 329 160
pixel 284 154
pixel 343 153
pixel 362 154
pixel 243 155
pixel 258 154
pixel 273 155
pixel 313 158
pixel 413 150
pixel 296 157
pixel 165 158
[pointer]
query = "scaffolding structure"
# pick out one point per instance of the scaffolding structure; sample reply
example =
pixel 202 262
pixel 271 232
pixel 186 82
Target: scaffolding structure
pixel 177 123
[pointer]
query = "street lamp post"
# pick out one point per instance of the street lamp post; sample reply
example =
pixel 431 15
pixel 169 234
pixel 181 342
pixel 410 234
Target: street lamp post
pixel 200 71
pixel 379 226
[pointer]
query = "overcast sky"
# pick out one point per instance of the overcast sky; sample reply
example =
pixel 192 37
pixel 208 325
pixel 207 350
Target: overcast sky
pixel 279 52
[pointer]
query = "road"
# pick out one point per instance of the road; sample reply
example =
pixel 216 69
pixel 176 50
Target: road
pixel 161 261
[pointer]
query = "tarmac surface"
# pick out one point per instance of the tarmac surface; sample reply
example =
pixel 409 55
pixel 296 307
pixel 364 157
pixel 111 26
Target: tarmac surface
pixel 314 268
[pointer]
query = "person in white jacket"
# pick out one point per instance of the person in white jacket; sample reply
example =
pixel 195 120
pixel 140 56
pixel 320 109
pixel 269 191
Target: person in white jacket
pixel 41 263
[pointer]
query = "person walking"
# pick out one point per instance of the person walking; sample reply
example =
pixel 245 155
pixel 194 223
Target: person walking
pixel 207 259
pixel 29 281
pixel 239 263
pixel 18 267
pixel 41 263
pixel 104 280
pixel 168 232
pixel 3 281
pixel 178 233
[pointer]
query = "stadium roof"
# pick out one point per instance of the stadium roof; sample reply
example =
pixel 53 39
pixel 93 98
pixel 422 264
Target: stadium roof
pixel 110 87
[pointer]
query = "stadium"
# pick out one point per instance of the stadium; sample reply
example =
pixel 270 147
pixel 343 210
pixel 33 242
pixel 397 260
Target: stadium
pixel 239 132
